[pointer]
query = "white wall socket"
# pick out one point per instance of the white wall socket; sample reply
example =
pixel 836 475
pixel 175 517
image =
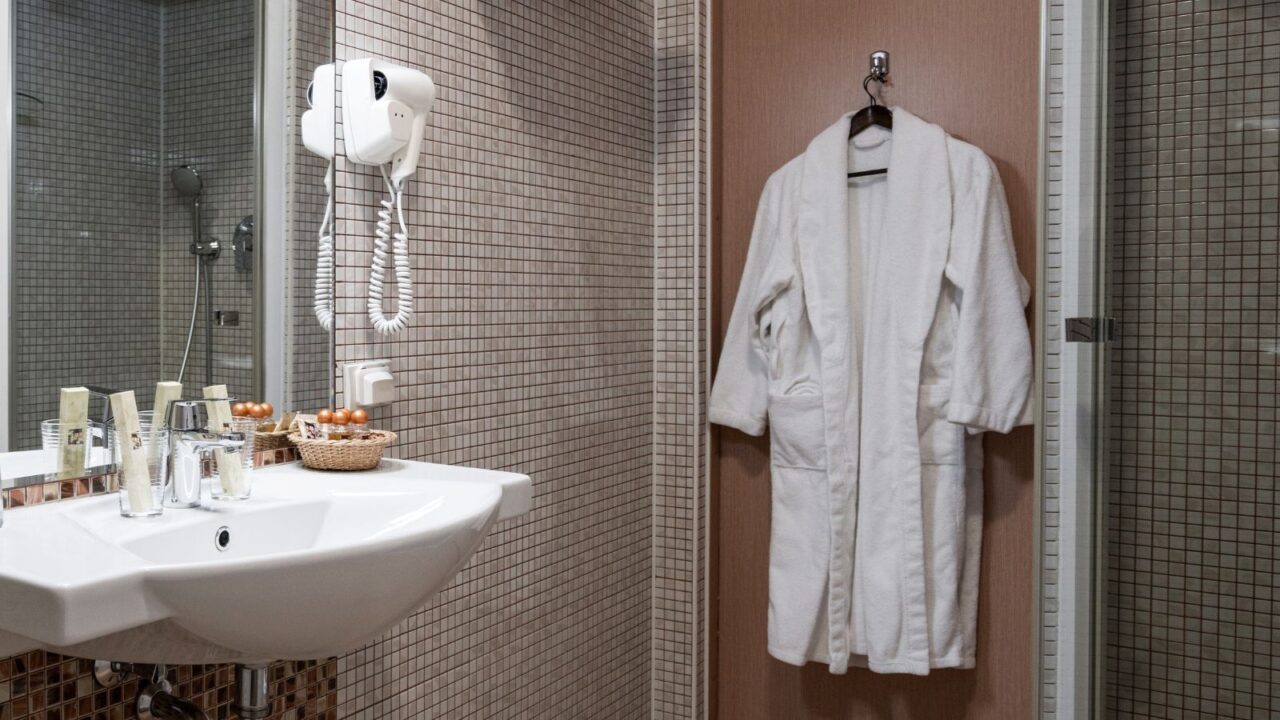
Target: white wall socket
pixel 367 383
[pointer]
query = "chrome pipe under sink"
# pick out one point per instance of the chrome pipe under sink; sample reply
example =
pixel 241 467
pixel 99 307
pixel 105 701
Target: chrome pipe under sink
pixel 156 702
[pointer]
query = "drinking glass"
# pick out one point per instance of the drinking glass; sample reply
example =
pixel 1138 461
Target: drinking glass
pixel 99 451
pixel 232 485
pixel 145 499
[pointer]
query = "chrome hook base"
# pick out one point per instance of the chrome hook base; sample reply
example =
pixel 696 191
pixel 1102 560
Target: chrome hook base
pixel 879 73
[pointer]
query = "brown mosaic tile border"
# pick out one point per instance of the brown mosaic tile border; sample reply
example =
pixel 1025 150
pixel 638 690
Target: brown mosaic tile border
pixel 56 490
pixel 49 686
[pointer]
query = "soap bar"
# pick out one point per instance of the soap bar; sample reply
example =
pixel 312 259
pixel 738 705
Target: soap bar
pixel 73 431
pixel 166 392
pixel 231 471
pixel 134 474
pixel 219 412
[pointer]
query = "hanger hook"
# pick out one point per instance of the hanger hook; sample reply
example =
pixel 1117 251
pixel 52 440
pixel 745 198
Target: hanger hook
pixel 867 81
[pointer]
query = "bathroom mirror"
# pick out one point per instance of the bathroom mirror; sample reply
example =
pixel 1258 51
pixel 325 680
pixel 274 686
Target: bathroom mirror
pixel 160 211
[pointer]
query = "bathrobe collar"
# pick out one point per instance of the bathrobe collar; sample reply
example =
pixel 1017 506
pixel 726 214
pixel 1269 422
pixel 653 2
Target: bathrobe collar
pixel 901 291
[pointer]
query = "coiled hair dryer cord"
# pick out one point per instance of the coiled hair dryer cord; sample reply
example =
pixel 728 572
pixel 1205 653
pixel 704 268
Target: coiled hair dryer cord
pixel 324 260
pixel 400 251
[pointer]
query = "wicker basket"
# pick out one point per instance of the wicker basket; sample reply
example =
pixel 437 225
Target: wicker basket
pixel 271 440
pixel 343 454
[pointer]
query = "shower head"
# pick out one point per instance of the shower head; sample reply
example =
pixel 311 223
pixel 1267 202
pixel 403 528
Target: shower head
pixel 186 181
pixel 188 184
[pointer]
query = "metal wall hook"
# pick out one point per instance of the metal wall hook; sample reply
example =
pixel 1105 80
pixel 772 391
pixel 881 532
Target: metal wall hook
pixel 879 73
pixel 880 64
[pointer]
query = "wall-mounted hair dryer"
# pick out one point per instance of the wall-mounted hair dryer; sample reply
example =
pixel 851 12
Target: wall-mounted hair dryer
pixel 318 136
pixel 384 115
pixel 317 121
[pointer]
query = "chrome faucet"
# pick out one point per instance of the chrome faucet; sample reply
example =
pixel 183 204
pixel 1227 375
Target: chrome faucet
pixel 189 440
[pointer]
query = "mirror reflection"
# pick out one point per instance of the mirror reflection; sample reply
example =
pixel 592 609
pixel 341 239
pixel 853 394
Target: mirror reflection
pixel 164 209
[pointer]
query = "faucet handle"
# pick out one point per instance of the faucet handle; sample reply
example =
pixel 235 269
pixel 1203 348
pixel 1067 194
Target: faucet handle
pixel 187 415
pixel 191 415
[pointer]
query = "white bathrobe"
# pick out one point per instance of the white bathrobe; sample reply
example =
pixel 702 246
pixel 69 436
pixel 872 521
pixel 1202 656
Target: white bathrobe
pixel 879 329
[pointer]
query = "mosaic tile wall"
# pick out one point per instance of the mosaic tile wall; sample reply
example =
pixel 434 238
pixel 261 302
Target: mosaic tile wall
pixel 1192 606
pixel 85 211
pixel 680 447
pixel 207 80
pixel 532 350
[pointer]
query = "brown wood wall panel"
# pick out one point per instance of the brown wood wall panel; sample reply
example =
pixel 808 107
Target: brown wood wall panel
pixel 785 71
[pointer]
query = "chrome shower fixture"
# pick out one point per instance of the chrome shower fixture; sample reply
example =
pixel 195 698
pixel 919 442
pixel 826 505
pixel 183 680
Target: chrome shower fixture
pixel 242 244
pixel 188 184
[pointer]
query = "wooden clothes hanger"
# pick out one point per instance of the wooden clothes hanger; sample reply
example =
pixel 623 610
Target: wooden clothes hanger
pixel 874 114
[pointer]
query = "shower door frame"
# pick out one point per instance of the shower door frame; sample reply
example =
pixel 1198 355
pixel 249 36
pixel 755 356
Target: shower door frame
pixel 1072 404
pixel 7 106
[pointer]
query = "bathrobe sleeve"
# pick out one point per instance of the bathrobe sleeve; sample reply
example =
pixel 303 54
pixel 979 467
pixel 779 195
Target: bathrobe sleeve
pixel 740 393
pixel 991 379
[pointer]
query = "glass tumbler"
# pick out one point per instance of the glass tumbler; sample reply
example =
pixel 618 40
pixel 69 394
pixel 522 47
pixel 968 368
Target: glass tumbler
pixel 143 499
pixel 98 450
pixel 151 435
pixel 233 469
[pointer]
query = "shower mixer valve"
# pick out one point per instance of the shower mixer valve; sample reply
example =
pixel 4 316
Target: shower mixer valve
pixel 206 248
pixel 242 244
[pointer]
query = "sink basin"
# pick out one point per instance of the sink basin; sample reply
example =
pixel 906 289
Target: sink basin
pixel 314 565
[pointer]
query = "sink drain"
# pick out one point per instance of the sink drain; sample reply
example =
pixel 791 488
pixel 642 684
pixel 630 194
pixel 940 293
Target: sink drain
pixel 222 538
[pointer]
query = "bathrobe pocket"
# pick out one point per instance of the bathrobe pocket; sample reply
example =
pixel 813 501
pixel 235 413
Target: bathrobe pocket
pixel 796 431
pixel 799 547
pixel 941 441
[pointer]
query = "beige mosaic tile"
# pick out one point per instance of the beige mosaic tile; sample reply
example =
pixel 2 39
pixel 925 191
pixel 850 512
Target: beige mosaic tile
pixel 532 350
pixel 680 364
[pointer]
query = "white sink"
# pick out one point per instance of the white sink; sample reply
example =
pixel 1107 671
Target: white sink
pixel 316 564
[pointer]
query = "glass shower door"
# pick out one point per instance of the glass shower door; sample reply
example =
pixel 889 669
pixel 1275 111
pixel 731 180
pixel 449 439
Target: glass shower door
pixel 1188 572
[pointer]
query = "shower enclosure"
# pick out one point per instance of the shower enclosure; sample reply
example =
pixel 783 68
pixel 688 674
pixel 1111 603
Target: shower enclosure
pixel 113 97
pixel 1160 350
